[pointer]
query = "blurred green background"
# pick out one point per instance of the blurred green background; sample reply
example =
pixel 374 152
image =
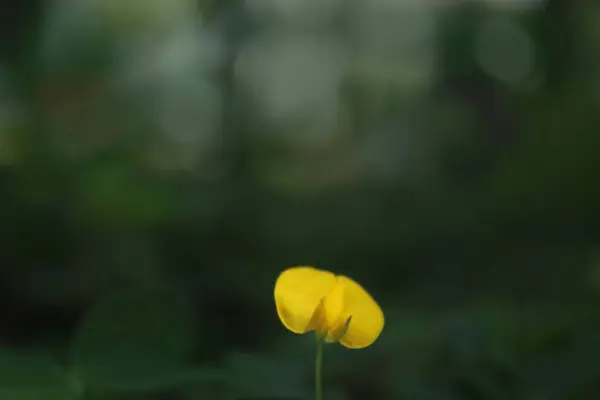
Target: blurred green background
pixel 161 161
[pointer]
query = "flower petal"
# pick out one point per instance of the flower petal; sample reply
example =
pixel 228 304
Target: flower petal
pixel 333 306
pixel 298 294
pixel 367 318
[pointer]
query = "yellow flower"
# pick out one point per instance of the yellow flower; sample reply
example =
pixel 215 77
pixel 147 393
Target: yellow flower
pixel 336 307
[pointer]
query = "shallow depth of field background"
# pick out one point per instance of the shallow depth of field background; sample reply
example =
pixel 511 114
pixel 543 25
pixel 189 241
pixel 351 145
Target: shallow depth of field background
pixel 162 161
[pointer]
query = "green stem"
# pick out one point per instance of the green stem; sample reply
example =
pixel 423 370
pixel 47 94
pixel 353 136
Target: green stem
pixel 318 367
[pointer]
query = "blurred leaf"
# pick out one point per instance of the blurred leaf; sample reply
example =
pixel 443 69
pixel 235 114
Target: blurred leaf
pixel 26 376
pixel 136 339
pixel 565 373
pixel 415 389
pixel 157 377
pixel 49 393
pixel 256 376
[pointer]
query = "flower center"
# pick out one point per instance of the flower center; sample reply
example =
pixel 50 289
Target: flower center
pixel 330 332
